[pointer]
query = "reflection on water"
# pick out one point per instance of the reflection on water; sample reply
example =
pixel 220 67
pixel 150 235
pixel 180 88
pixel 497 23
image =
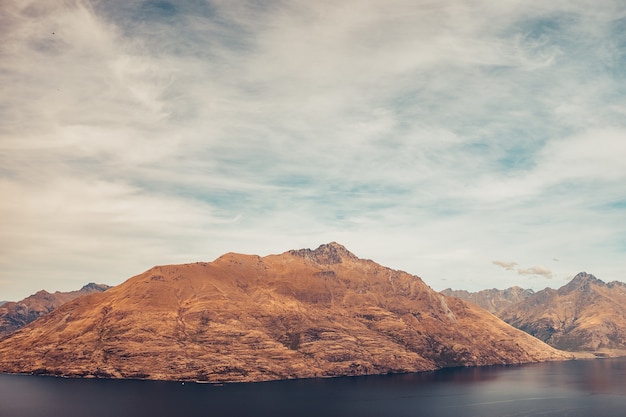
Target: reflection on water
pixel 575 388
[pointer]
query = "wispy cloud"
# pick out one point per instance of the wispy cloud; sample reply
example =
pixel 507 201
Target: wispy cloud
pixel 536 270
pixel 432 137
pixel 509 266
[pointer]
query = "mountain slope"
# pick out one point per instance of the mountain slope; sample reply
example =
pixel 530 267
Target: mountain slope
pixel 492 300
pixel 304 313
pixel 15 315
pixel 586 314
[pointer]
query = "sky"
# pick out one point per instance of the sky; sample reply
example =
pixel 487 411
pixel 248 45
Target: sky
pixel 476 143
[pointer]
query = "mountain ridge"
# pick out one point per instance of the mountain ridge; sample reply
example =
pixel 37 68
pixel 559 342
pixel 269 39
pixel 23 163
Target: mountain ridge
pixel 585 314
pixel 299 314
pixel 15 315
pixel 492 300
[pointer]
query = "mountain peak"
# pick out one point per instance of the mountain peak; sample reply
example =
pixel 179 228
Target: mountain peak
pixel 584 277
pixel 584 315
pixel 93 287
pixel 580 282
pixel 327 254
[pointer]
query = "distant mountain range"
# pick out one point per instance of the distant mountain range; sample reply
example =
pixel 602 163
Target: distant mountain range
pixel 15 315
pixel 303 313
pixel 493 300
pixel 584 315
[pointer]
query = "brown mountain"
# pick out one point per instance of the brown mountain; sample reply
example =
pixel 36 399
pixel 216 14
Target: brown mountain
pixel 584 315
pixel 15 315
pixel 304 313
pixel 492 300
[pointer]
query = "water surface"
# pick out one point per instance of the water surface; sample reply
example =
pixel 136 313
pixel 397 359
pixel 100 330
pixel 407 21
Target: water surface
pixel 582 388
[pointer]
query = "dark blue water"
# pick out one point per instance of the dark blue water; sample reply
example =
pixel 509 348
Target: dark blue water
pixel 595 388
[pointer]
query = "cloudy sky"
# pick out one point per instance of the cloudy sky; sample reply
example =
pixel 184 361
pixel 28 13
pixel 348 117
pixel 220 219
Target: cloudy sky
pixel 475 143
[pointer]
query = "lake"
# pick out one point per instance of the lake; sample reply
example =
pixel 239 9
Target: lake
pixel 586 388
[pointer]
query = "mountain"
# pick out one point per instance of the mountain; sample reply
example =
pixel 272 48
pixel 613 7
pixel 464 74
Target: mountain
pixel 304 313
pixel 492 300
pixel 15 315
pixel 584 315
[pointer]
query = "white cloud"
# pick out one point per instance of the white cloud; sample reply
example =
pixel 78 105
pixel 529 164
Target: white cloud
pixel 536 270
pixel 509 266
pixel 594 155
pixel 429 136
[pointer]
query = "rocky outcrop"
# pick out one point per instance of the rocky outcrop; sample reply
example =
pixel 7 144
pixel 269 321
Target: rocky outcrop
pixel 305 313
pixel 492 300
pixel 15 315
pixel 584 315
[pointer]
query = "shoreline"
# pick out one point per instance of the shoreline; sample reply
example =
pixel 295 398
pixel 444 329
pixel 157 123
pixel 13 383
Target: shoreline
pixel 580 355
